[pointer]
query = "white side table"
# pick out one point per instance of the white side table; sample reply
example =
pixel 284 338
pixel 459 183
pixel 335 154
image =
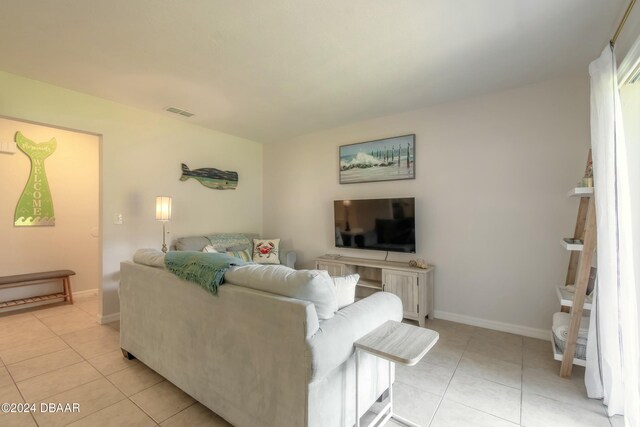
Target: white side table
pixel 398 343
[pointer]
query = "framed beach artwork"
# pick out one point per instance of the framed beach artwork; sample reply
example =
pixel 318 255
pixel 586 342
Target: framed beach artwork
pixel 386 159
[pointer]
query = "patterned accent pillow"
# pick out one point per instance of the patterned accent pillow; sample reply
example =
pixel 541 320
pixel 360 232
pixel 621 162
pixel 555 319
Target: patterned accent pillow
pixel 243 255
pixel 209 249
pixel 265 251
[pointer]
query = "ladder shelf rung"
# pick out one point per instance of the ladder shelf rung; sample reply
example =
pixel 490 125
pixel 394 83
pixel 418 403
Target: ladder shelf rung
pixel 580 192
pixel 566 298
pixel 570 244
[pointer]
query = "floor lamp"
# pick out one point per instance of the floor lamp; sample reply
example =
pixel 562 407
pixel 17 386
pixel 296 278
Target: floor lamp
pixel 163 213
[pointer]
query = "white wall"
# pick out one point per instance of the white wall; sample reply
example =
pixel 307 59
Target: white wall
pixel 141 154
pixel 492 173
pixel 73 177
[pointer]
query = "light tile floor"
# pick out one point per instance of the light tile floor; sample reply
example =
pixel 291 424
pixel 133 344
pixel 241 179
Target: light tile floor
pixel 472 377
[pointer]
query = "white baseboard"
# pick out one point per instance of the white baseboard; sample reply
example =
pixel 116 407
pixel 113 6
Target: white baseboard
pixel 526 331
pixel 85 293
pixel 113 317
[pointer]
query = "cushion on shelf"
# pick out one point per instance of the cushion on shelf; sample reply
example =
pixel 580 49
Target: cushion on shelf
pixel 560 332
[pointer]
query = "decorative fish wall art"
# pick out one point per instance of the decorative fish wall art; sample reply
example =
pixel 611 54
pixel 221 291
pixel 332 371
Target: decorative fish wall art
pixel 211 177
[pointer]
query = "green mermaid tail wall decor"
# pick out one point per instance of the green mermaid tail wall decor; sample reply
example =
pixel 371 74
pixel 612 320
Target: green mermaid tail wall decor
pixel 35 206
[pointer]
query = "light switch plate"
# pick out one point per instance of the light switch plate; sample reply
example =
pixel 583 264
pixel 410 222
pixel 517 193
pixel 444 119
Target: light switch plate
pixel 117 219
pixel 8 147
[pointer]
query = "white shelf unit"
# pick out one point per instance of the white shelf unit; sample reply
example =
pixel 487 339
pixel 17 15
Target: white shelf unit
pixel 578 273
pixel 566 298
pixel 370 284
pixel 580 192
pixel 571 246
pixel 557 355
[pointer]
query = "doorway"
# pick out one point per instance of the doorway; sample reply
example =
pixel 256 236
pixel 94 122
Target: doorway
pixel 72 240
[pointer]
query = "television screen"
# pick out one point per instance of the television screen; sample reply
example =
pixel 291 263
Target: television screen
pixel 377 224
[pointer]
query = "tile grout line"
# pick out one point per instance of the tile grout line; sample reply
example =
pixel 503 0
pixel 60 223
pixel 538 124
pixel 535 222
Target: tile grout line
pixel 43 355
pixel 14 381
pixel 182 410
pixel 491 381
pixel 119 389
pixel 145 412
pixel 450 379
pixel 140 391
pixel 485 412
pixel 110 382
pixel 487 379
pixel 72 388
pixel 484 379
pixel 55 370
pixel 129 397
pixel 21 395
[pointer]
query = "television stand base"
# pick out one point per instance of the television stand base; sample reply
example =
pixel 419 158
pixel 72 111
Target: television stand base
pixel 413 285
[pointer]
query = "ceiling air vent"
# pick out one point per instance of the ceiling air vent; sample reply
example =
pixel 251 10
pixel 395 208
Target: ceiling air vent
pixel 179 111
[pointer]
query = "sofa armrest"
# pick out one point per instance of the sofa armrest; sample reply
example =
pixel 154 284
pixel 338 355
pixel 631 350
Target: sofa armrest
pixel 332 344
pixel 288 258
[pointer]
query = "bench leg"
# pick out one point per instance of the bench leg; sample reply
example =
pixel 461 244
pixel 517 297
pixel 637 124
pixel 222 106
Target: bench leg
pixel 127 355
pixel 67 289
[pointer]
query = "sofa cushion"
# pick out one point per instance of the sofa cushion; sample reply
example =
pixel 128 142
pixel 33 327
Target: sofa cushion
pixel 150 257
pixel 315 286
pixel 191 243
pixel 346 289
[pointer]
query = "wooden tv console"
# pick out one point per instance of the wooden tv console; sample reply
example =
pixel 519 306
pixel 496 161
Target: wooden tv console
pixel 413 285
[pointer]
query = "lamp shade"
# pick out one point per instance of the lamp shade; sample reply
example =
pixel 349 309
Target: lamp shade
pixel 163 208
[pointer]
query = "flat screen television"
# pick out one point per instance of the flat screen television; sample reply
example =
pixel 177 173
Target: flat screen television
pixel 376 224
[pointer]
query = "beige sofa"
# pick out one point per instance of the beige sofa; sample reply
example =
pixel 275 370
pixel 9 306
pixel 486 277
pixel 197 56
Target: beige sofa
pixel 253 357
pixel 228 241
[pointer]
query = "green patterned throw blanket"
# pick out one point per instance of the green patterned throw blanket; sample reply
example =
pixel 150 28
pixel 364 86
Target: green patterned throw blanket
pixel 205 269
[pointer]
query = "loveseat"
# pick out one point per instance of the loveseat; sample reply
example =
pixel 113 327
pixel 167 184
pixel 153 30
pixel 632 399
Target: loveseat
pixel 228 242
pixel 255 357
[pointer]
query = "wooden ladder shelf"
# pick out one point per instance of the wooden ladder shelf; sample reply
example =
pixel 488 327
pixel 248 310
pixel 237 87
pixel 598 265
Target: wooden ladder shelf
pixel 579 271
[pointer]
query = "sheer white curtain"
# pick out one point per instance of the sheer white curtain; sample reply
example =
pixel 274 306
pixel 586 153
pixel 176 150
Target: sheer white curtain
pixel 612 350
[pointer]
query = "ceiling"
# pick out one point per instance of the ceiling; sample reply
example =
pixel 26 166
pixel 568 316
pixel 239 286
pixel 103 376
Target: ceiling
pixel 272 70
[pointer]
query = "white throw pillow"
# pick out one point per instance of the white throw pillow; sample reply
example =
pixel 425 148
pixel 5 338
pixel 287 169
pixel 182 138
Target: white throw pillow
pixel 309 285
pixel 266 251
pixel 209 249
pixel 346 289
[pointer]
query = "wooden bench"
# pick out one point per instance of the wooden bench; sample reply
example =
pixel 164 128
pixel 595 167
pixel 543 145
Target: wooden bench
pixel 18 280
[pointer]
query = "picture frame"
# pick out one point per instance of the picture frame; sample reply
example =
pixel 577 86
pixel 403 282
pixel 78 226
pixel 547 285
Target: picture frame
pixel 387 159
